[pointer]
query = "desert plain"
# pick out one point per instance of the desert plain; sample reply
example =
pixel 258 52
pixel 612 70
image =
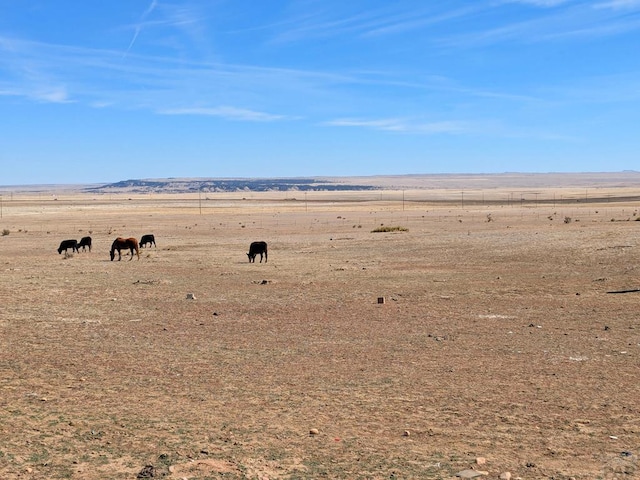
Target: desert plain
pixel 405 333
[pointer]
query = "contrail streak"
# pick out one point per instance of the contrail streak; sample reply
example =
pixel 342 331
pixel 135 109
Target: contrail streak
pixel 147 12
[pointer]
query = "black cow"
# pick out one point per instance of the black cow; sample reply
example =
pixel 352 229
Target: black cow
pixel 65 244
pixel 150 239
pixel 257 248
pixel 84 242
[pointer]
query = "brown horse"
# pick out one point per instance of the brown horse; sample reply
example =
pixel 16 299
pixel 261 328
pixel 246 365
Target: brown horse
pixel 122 244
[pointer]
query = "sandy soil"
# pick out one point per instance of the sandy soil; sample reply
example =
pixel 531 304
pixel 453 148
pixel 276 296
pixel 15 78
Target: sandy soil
pixel 475 336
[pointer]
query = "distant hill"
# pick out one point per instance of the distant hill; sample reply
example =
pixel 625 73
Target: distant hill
pixel 227 185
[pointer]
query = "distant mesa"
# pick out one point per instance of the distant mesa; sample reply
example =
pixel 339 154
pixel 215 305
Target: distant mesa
pixel 227 185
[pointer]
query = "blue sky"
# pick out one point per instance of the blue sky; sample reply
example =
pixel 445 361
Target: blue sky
pixel 95 92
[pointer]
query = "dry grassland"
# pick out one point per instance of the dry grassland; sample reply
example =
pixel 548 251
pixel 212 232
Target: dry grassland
pixel 496 338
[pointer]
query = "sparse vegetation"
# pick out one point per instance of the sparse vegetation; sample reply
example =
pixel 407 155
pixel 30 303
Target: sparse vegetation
pixel 567 219
pixel 389 229
pixel 5 232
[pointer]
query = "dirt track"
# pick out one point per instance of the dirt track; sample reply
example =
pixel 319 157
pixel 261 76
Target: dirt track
pixel 496 339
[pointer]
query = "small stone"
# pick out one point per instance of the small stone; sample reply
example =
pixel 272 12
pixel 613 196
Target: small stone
pixel 406 433
pixel 471 474
pixel 314 431
pixel 191 296
pixel 481 461
pixel 505 476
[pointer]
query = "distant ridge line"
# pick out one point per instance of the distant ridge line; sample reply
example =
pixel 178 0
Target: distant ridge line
pixel 443 181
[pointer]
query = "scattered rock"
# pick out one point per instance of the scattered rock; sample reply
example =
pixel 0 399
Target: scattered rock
pixel 505 476
pixel 191 296
pixel 314 431
pixel 481 461
pixel 471 474
pixel 406 433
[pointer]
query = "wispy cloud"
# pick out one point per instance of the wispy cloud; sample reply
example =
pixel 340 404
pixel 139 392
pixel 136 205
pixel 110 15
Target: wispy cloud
pixel 98 77
pixel 52 95
pixel 231 113
pixel 485 127
pixel 570 19
pixel 401 125
pixel 619 4
pixel 419 20
pixel 540 3
pixel 352 21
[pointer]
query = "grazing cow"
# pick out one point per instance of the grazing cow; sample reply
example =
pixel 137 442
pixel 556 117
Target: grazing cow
pixel 150 239
pixel 257 248
pixel 65 244
pixel 84 242
pixel 123 244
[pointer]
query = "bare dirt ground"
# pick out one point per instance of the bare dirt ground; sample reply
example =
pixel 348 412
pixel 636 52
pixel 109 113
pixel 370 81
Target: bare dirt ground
pixel 496 338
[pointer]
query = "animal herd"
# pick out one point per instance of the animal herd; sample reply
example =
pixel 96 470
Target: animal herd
pixel 132 244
